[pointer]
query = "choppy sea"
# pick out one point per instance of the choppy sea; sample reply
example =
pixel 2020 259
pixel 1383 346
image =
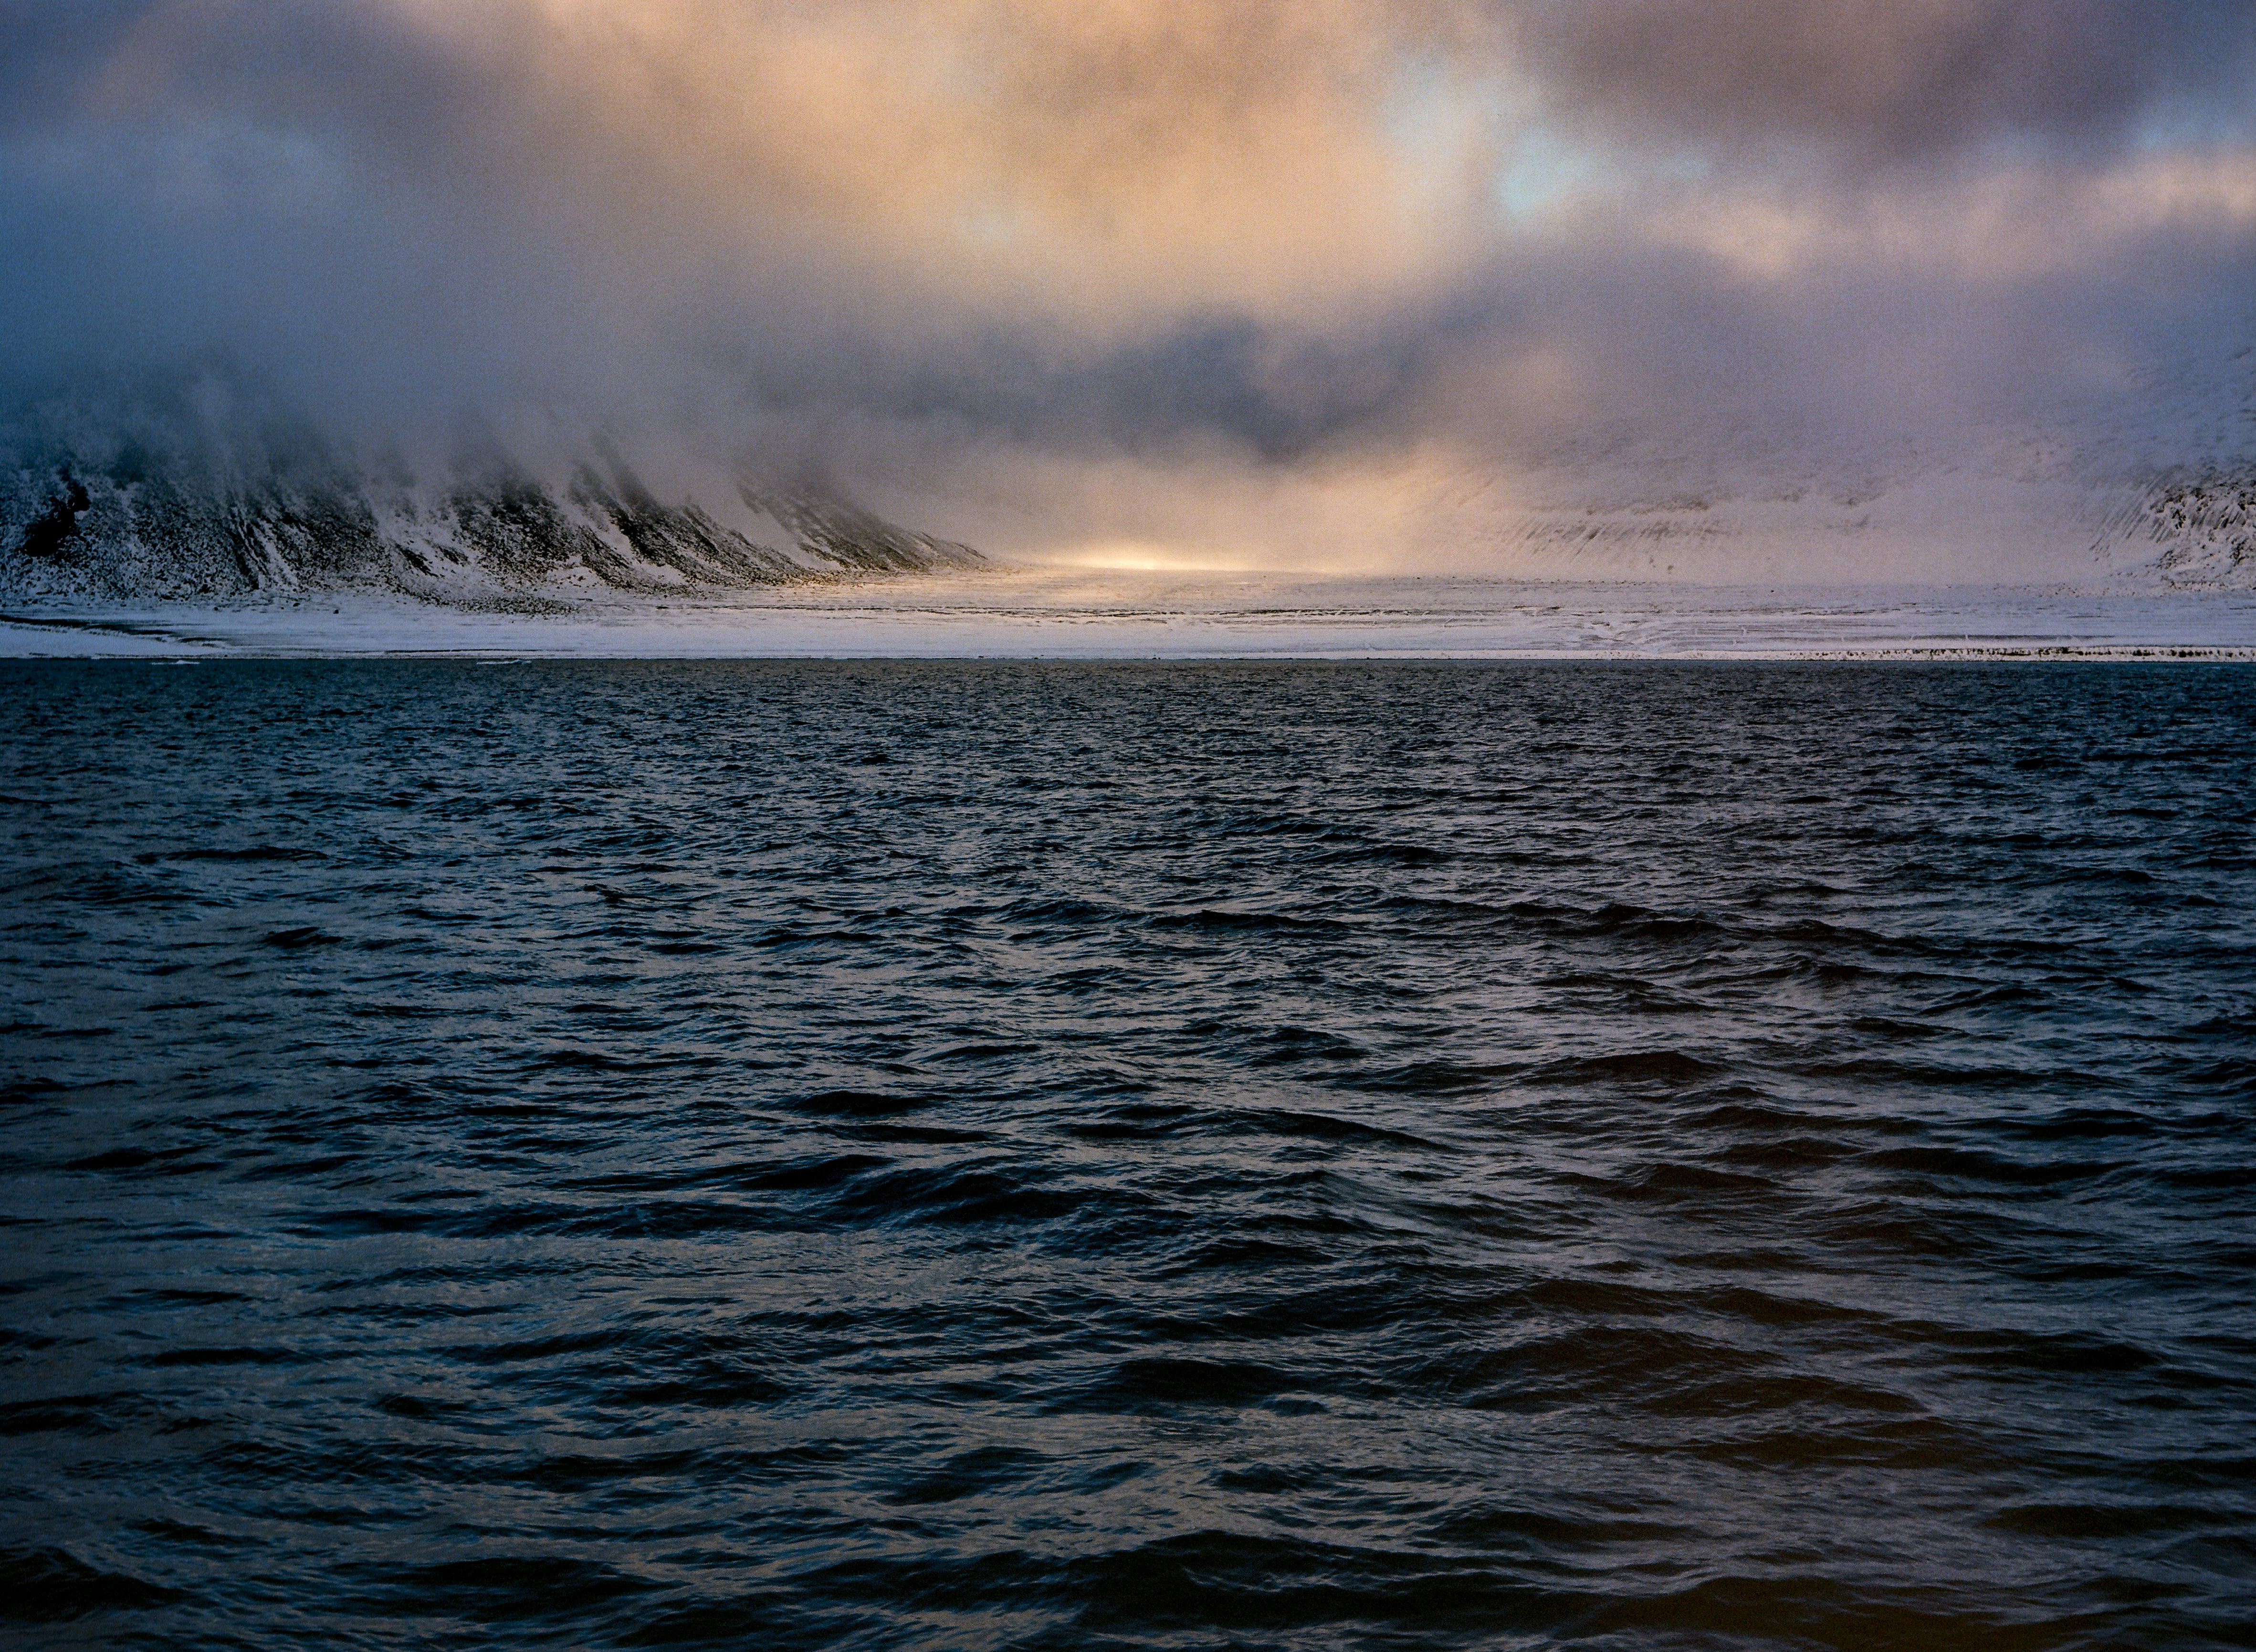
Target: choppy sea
pixel 1105 1156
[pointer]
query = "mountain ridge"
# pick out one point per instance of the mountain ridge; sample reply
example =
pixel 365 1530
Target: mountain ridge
pixel 124 518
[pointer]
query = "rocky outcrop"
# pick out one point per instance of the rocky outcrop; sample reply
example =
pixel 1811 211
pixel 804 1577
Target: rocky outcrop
pixel 2205 523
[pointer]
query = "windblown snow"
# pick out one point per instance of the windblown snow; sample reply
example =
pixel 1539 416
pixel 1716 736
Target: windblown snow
pixel 130 513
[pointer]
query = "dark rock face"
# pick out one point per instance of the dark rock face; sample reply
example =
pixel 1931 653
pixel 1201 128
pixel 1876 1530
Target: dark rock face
pixel 2206 523
pixel 123 523
pixel 2190 527
pixel 47 534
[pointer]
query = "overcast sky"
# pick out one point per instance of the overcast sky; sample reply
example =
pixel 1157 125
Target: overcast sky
pixel 1085 247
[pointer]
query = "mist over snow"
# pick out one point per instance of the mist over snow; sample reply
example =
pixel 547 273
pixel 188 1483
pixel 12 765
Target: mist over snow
pixel 494 303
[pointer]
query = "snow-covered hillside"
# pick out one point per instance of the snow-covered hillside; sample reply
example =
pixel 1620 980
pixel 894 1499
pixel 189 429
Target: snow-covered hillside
pixel 2185 527
pixel 95 512
pixel 2150 483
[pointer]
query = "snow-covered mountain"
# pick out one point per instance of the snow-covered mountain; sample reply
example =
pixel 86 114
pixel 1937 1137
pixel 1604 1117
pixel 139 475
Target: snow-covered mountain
pixel 2150 482
pixel 136 509
pixel 2190 526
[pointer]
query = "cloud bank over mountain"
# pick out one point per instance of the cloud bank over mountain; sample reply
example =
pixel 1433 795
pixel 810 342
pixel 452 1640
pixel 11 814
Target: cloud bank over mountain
pixel 1357 283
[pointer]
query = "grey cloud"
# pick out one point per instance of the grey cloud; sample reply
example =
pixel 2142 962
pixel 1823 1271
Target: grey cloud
pixel 1867 83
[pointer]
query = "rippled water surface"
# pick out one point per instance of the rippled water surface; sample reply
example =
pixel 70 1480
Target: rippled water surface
pixel 1111 1156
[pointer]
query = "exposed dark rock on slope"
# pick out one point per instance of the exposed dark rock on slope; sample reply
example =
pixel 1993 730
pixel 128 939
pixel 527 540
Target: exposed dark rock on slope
pixel 114 519
pixel 2204 520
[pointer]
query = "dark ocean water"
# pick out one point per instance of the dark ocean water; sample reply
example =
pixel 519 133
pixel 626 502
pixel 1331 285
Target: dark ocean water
pixel 911 1155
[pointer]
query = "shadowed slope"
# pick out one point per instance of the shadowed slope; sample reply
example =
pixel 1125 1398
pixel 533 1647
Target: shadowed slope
pixel 101 516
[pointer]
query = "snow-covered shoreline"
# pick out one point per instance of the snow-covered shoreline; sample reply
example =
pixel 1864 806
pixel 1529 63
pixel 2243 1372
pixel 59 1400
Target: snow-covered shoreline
pixel 1082 614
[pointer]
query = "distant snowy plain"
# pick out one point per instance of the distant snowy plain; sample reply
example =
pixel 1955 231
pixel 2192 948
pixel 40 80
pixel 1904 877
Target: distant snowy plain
pixel 1109 614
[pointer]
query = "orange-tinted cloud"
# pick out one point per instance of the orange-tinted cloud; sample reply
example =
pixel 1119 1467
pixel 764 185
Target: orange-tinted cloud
pixel 1134 235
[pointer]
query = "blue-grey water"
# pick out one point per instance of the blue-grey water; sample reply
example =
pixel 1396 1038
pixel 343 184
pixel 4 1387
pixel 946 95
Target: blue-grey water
pixel 1022 1156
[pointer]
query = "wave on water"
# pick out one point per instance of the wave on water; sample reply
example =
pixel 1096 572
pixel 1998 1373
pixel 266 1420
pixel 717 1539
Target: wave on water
pixel 1347 1156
